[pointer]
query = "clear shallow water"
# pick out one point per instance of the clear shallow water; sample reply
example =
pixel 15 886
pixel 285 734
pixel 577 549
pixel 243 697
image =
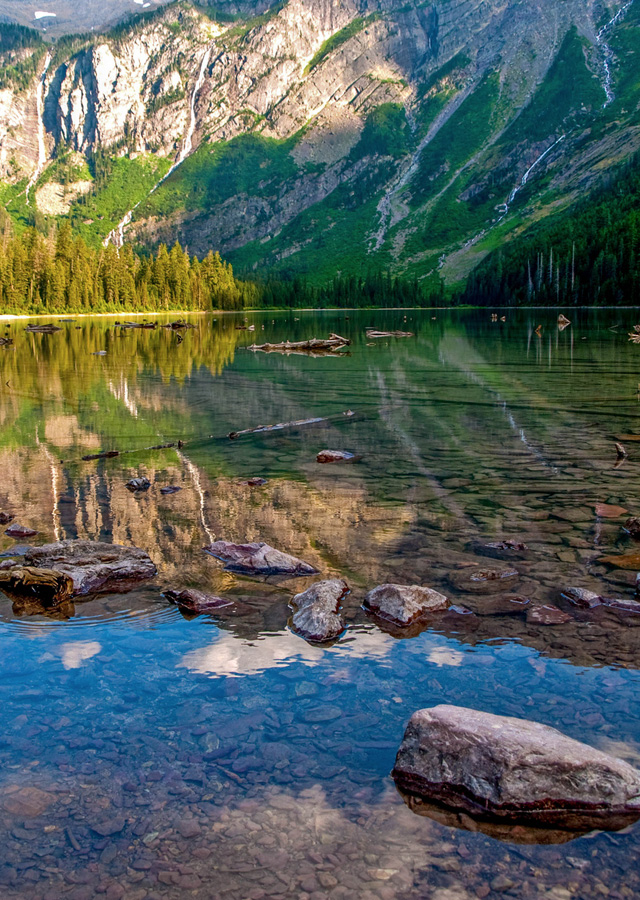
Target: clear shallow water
pixel 145 754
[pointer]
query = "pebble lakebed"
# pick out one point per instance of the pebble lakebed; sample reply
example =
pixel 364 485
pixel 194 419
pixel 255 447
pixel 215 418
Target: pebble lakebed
pixel 150 754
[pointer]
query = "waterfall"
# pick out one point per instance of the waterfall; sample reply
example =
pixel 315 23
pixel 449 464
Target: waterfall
pixel 607 52
pixel 116 237
pixel 42 147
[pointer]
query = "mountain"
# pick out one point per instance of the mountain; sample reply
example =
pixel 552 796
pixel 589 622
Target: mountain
pixel 317 137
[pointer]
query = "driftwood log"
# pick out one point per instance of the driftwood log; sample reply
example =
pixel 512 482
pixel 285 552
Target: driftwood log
pixel 371 333
pixel 49 586
pixel 314 345
pixel 42 329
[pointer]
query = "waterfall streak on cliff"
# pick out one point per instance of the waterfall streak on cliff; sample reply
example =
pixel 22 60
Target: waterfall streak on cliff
pixel 116 237
pixel 607 52
pixel 525 177
pixel 42 147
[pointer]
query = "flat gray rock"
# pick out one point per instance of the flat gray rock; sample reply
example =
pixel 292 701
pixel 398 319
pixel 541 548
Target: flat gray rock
pixel 403 604
pixel 94 567
pixel 258 559
pixel 515 770
pixel 317 611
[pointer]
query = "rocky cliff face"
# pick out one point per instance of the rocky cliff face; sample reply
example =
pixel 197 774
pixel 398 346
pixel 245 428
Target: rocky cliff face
pixel 393 109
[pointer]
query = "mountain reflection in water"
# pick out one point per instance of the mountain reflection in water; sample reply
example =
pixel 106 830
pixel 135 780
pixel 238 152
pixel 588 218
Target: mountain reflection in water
pixel 151 753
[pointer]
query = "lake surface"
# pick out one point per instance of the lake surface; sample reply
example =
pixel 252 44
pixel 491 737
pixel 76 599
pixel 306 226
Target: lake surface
pixel 146 754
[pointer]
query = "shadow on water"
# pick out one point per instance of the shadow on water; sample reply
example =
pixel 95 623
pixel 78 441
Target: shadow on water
pixel 147 753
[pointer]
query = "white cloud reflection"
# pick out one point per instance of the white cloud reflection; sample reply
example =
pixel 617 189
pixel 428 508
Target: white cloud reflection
pixel 74 654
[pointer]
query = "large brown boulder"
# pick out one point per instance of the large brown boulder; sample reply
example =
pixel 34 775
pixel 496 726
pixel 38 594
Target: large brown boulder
pixel 514 770
pixel 94 567
pixel 317 611
pixel 403 604
pixel 258 559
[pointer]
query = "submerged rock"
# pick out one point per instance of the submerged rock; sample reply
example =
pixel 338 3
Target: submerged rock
pixel 514 770
pixel 499 549
pixel 197 601
pixel 5 518
pixel 632 527
pixel 258 559
pixel 335 456
pixel 498 604
pixel 94 567
pixel 483 581
pixel 20 531
pixel 547 615
pixel 139 484
pixel 317 611
pixel 403 604
pixel 581 598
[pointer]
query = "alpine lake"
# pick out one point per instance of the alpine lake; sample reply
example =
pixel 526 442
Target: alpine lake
pixel 149 754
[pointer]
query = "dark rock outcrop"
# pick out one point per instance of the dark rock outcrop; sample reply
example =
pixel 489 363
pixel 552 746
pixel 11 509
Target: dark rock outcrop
pixel 403 604
pixel 514 770
pixel 258 559
pixel 317 611
pixel 94 567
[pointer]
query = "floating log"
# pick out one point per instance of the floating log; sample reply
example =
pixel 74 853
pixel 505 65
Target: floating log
pixel 313 345
pixel 148 325
pixel 42 329
pixel 260 429
pixel 383 334
pixel 106 454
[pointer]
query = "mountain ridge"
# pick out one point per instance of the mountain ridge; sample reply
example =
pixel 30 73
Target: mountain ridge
pixel 329 138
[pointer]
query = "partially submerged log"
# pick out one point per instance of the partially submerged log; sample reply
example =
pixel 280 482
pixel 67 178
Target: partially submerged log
pixel 314 345
pixel 260 429
pixel 42 329
pixel 146 325
pixel 49 586
pixel 371 333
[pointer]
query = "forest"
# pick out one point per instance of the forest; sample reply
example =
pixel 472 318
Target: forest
pixel 588 255
pixel 60 273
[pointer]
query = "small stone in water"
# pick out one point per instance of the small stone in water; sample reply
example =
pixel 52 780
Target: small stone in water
pixel 5 518
pixel 581 598
pixel 138 484
pixel 170 489
pixel 609 511
pixel 254 482
pixel 335 456
pixel 20 531
pixel 109 826
pixel 547 615
pixel 403 604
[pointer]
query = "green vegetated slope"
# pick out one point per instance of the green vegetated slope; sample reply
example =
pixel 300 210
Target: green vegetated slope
pixel 588 255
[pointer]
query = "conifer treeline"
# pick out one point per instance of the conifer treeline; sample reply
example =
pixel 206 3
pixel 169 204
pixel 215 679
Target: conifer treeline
pixel 61 274
pixel 587 256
